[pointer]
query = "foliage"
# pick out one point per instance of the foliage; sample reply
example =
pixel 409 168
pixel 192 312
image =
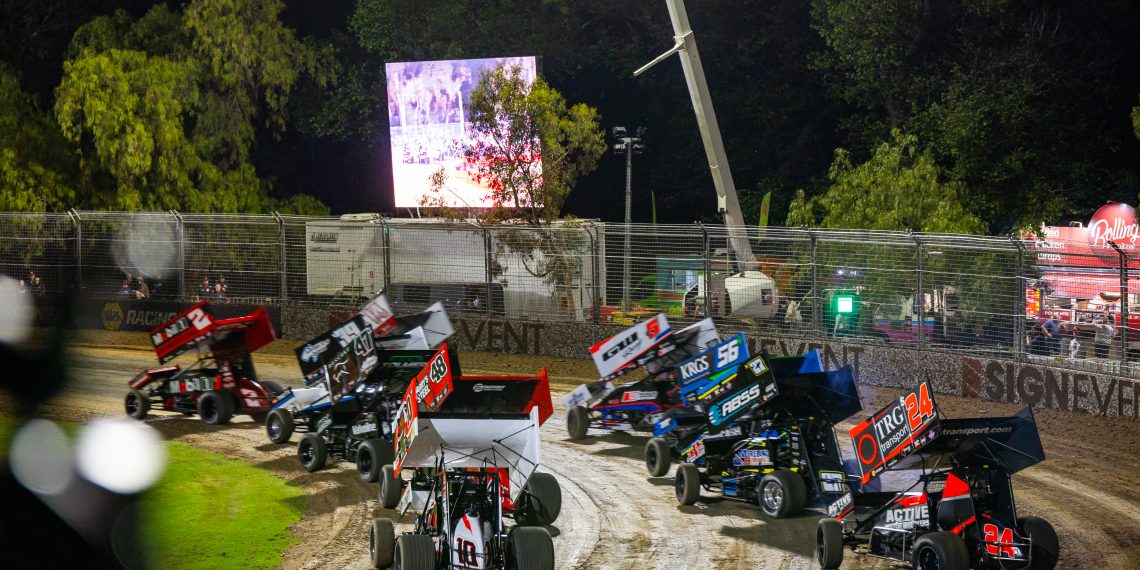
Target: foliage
pixel 34 163
pixel 899 188
pixel 168 105
pixel 212 512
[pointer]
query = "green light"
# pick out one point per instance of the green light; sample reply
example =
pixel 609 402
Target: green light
pixel 845 304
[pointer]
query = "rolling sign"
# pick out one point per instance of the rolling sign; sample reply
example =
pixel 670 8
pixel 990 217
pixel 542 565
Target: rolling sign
pixel 894 432
pixel 618 351
pixel 714 360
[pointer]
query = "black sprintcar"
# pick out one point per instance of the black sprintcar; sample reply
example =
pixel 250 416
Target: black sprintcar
pixel 636 406
pixel 769 436
pixel 473 446
pixel 960 511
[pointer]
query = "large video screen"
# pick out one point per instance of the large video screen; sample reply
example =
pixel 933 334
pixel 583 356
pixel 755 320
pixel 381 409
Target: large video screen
pixel 427 112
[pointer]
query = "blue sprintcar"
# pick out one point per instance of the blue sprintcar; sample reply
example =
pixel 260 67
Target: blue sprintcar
pixel 637 406
pixel 761 431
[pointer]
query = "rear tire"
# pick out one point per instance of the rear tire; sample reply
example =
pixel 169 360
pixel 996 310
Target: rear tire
pixel 415 552
pixel 658 457
pixel 688 484
pixel 216 407
pixel 530 548
pixel 279 426
pixel 312 452
pixel 137 404
pixel 370 459
pixel 543 500
pixel 781 494
pixel 578 422
pixel 391 487
pixel 1046 548
pixel 940 551
pixel 829 543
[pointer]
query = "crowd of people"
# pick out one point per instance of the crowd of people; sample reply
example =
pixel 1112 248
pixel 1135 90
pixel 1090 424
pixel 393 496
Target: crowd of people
pixel 1054 337
pixel 33 285
pixel 216 291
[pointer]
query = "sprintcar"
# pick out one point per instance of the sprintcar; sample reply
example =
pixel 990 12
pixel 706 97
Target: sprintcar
pixel 959 512
pixel 473 445
pixel 769 435
pixel 416 336
pixel 221 382
pixel 636 406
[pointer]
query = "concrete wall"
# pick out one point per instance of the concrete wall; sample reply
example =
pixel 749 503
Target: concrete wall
pixel 996 379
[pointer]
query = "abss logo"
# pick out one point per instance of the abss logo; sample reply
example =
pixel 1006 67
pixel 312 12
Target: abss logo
pixel 112 316
pixel 735 403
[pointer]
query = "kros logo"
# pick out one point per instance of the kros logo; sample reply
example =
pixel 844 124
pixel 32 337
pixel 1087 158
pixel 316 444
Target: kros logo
pixel 700 365
pixel 489 387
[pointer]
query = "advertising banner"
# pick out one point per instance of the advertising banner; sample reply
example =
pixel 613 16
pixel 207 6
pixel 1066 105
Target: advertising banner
pixel 894 432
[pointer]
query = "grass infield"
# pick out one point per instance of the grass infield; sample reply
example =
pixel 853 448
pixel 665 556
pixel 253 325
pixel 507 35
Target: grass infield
pixel 209 511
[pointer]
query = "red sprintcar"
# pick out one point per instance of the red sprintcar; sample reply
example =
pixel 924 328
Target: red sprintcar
pixel 221 382
pixel 960 512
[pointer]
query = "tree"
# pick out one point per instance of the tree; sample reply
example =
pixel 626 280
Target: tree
pixel 899 188
pixel 36 169
pixel 530 149
pixel 168 106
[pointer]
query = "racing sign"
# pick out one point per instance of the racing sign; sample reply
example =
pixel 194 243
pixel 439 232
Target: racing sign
pixel 620 350
pixel 427 391
pixel 183 333
pixel 713 360
pixel 899 429
pixel 751 384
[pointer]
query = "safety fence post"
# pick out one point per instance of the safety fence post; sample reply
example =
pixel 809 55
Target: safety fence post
pixel 708 269
pixel 181 230
pixel 919 305
pixel 487 276
pixel 817 309
pixel 1019 331
pixel 1123 330
pixel 282 266
pixel 73 215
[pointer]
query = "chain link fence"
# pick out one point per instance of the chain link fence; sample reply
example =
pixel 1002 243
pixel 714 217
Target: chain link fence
pixel 972 294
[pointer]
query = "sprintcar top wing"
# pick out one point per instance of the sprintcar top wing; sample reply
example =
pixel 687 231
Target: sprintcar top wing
pixel 833 395
pixel 421 331
pixel 1011 442
pixel 627 347
pixel 895 432
pixel 195 327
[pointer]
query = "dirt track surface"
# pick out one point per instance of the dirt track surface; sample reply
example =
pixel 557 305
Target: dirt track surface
pixel 614 516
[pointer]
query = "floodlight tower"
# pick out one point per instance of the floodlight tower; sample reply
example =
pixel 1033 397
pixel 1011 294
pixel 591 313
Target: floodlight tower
pixel 685 44
pixel 629 146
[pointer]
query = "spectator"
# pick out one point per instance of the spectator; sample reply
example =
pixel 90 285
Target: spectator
pixel 125 290
pixel 221 288
pixel 1052 330
pixel 205 291
pixel 142 291
pixel 38 287
pixel 23 286
pixel 1102 341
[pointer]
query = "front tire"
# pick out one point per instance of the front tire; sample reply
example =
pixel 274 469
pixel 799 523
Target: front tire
pixel 543 500
pixel 137 404
pixel 312 452
pixel 279 426
pixel 1046 548
pixel 658 457
pixel 530 548
pixel 829 543
pixel 371 458
pixel 391 487
pixel 382 543
pixel 578 422
pixel 781 494
pixel 688 484
pixel 415 552
pixel 215 407
pixel 940 551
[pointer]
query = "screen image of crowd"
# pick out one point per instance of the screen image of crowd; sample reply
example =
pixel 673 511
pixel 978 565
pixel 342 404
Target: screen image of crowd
pixel 427 114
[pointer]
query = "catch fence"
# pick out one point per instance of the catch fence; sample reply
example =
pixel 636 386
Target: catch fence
pixel 983 295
